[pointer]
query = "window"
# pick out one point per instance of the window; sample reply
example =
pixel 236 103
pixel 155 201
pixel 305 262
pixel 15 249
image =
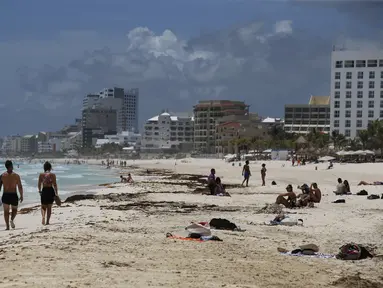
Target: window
pixel 347 114
pixel 336 123
pixel 381 94
pixel 349 75
pixel 349 64
pixel 360 85
pixel 371 94
pixel 359 104
pixel 339 64
pixel 336 104
pixel 360 94
pixel 370 104
pixel 372 75
pixel 359 114
pixel 348 104
pixel 337 85
pixel 381 84
pixel 381 114
pixel 360 63
pixel 359 123
pixel 372 63
pixel 348 85
pixel 381 63
pixel 381 103
pixel 381 74
pixel 349 94
pixel 360 75
pixel 371 84
pixel 337 94
pixel 347 123
pixel 347 133
pixel 336 114
pixel 370 113
pixel 337 75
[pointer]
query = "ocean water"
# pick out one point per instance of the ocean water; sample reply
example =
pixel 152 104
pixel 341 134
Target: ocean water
pixel 70 178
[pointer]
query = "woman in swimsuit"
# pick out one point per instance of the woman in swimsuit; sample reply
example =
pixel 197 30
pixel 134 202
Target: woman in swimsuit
pixel 48 190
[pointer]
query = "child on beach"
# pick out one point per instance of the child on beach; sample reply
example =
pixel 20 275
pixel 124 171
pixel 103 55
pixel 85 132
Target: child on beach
pixel 263 174
pixel 211 181
pixel 246 173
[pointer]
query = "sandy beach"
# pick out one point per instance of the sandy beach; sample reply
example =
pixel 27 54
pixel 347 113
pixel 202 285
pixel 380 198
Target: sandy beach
pixel 117 238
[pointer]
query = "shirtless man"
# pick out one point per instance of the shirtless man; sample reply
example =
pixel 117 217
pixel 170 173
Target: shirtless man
pixel 290 202
pixel 10 180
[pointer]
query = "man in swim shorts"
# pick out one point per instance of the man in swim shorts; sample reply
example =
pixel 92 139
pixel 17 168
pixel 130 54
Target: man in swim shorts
pixel 10 182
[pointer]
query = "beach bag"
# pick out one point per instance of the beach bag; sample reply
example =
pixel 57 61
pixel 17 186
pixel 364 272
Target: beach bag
pixel 222 224
pixel 349 251
pixel 287 221
pixel 57 200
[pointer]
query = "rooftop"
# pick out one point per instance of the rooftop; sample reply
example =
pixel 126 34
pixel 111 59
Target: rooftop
pixel 319 100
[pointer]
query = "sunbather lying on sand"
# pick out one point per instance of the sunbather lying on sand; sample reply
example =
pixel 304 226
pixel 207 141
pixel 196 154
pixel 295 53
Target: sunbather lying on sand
pixel 376 183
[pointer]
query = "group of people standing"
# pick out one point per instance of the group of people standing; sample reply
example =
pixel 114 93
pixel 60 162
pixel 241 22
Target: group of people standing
pixel 11 184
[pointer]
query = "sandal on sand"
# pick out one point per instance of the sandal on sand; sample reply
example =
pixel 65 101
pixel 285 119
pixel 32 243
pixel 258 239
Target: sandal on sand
pixel 12 224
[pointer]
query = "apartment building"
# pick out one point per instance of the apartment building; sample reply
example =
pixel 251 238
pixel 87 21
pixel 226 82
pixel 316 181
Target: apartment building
pixel 28 144
pixel 206 114
pixel 231 128
pixel 356 90
pixel 168 131
pixel 131 109
pixel 304 118
pixel 96 123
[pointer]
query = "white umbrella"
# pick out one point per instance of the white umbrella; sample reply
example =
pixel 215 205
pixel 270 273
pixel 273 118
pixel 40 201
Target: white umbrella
pixel 369 152
pixel 341 153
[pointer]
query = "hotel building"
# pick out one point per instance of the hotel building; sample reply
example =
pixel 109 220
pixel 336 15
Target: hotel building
pixel 304 118
pixel 356 90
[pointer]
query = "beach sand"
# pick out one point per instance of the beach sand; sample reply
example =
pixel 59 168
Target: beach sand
pixel 119 240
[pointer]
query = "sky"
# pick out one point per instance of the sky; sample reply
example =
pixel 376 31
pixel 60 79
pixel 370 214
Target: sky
pixel 177 52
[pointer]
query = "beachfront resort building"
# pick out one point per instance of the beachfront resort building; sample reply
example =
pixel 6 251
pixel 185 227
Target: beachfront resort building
pixel 124 102
pixel 356 90
pixel 168 132
pixel 230 129
pixel 304 118
pixel 97 122
pixel 206 114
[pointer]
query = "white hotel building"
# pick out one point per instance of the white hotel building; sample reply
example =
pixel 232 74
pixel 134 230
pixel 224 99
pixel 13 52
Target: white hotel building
pixel 168 132
pixel 356 90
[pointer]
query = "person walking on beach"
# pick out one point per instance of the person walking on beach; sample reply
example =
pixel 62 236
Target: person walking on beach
pixel 246 173
pixel 263 174
pixel 47 186
pixel 211 181
pixel 10 182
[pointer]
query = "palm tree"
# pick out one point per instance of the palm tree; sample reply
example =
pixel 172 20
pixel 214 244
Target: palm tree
pixel 339 140
pixel 364 138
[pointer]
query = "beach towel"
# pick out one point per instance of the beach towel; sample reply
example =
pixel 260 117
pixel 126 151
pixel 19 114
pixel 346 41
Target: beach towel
pixel 201 239
pixel 315 255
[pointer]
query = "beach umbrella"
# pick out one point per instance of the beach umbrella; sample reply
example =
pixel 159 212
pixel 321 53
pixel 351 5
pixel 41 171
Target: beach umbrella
pixel 369 152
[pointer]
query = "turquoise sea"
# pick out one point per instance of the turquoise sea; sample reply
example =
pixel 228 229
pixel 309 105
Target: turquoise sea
pixel 70 178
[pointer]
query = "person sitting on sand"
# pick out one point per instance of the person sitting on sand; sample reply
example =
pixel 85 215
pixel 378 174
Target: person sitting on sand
pixel 47 186
pixel 340 188
pixel 219 188
pixel 211 183
pixel 330 166
pixel 290 201
pixel 246 173
pixel 347 187
pixel 130 179
pixel 376 183
pixel 123 179
pixel 315 193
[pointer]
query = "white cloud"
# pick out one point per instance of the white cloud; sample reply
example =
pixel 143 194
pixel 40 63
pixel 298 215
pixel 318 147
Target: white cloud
pixel 284 27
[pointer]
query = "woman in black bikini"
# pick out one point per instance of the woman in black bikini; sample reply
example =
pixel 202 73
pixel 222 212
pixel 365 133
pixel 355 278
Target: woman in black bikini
pixel 48 190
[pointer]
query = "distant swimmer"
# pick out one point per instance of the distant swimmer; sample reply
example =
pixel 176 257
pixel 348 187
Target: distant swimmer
pixel 47 186
pixel 10 182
